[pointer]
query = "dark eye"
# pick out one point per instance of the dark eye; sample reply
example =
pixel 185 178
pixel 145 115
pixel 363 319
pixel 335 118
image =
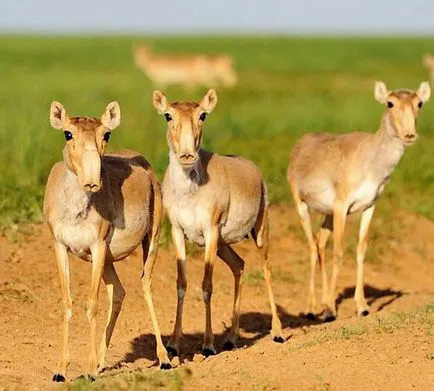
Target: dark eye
pixel 389 105
pixel 106 136
pixel 202 116
pixel 420 104
pixel 168 117
pixel 68 135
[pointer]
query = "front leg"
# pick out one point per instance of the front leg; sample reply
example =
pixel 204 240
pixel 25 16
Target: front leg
pixel 98 251
pixel 211 240
pixel 359 295
pixel 63 266
pixel 181 285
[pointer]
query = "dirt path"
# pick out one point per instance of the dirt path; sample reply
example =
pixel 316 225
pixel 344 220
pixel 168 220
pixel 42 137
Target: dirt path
pixel 347 354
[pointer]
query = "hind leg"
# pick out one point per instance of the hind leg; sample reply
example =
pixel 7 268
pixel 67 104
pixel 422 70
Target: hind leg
pixel 116 295
pixel 262 243
pixel 303 214
pixel 322 239
pixel 150 247
pixel 236 264
pixel 339 217
pixel 149 257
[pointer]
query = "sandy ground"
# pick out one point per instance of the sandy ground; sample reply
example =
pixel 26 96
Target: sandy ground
pixel 398 278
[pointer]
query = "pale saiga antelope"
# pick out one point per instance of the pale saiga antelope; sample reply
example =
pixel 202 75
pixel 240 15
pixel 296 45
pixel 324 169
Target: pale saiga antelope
pixel 213 201
pixel 100 208
pixel 428 62
pixel 190 70
pixel 338 175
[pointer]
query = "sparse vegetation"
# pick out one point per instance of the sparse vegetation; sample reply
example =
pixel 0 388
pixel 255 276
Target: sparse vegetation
pixel 253 277
pixel 421 317
pixel 135 381
pixel 16 291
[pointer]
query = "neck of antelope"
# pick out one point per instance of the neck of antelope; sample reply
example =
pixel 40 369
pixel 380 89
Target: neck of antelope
pixel 387 149
pixel 74 199
pixel 184 180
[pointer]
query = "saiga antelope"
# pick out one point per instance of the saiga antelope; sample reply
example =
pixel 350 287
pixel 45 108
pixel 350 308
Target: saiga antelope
pixel 188 70
pixel 428 62
pixel 100 208
pixel 214 201
pixel 338 175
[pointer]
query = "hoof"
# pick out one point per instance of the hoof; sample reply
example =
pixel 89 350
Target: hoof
pixel 165 366
pixel 88 378
pixel 208 352
pixel 364 313
pixel 228 345
pixel 58 378
pixel 172 351
pixel 278 339
pixel 310 316
pixel 329 318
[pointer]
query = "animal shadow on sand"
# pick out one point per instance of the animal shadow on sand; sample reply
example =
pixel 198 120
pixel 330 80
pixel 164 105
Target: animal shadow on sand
pixel 372 295
pixel 256 323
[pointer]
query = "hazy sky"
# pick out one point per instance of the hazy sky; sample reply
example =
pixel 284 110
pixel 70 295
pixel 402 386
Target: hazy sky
pixel 159 16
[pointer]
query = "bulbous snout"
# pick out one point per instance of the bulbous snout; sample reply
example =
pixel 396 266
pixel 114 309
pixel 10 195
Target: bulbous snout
pixel 92 187
pixel 187 158
pixel 187 154
pixel 91 171
pixel 410 137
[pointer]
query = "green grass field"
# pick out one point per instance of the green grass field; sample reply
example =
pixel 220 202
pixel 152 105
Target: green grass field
pixel 287 86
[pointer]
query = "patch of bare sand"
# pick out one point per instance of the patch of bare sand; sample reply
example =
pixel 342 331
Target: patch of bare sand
pixel 398 277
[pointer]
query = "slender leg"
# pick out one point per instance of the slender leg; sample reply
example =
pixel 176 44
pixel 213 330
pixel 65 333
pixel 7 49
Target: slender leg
pixel 263 243
pixel 150 248
pixel 211 239
pixel 359 295
pixel 322 238
pixel 98 251
pixel 236 264
pixel 116 295
pixel 303 214
pixel 339 215
pixel 181 285
pixel 63 266
pixel 149 258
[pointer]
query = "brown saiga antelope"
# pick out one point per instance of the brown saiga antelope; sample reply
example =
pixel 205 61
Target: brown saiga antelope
pixel 100 208
pixel 344 174
pixel 214 201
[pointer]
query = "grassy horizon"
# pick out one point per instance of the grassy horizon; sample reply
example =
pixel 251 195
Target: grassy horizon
pixel 287 86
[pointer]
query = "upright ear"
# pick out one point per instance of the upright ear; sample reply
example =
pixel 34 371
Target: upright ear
pixel 209 101
pixel 424 91
pixel 112 116
pixel 58 116
pixel 159 101
pixel 380 92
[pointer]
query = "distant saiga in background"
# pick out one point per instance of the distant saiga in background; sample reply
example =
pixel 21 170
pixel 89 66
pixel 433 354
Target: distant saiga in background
pixel 189 70
pixel 428 63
